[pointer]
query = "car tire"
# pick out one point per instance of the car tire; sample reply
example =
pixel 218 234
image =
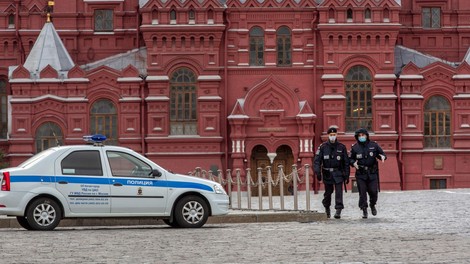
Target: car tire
pixel 43 214
pixel 191 211
pixel 171 223
pixel 23 222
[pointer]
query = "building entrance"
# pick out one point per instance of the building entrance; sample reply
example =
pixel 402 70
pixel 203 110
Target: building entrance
pixel 260 159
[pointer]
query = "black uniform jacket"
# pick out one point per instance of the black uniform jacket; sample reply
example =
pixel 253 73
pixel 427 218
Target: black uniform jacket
pixel 331 162
pixel 366 154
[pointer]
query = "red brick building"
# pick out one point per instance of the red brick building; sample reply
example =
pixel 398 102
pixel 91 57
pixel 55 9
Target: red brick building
pixel 241 84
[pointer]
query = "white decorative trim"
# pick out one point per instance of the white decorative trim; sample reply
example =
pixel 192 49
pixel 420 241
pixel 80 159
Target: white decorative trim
pixel 411 96
pixel 209 78
pixel 333 96
pixel 411 76
pixel 130 99
pixel 332 76
pixel 48 96
pixel 461 76
pixel 129 79
pixel 239 30
pixel 157 98
pixel 385 96
pixel 385 76
pixel 462 96
pixel 210 98
pixel 238 117
pixel 157 78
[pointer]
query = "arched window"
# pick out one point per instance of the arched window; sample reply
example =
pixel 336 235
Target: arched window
pixel 48 135
pixel 367 15
pixel 386 15
pixel 154 16
pixel 103 120
pixel 331 15
pixel 3 109
pixel 183 102
pixel 437 117
pixel 358 87
pixel 256 46
pixel 173 15
pixel 11 21
pixel 349 15
pixel 284 56
pixel 191 15
pixel 210 16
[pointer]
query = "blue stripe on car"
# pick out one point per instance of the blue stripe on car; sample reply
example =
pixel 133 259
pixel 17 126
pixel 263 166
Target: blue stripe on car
pixel 107 181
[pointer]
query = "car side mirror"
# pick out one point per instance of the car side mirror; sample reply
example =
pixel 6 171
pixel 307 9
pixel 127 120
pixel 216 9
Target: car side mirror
pixel 156 173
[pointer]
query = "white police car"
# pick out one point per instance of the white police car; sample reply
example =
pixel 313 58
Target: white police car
pixel 104 181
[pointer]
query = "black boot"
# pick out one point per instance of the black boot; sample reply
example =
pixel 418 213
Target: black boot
pixel 328 212
pixel 338 214
pixel 373 210
pixel 364 213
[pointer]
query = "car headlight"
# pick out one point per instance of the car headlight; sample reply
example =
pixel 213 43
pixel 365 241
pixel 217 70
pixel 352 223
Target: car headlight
pixel 219 189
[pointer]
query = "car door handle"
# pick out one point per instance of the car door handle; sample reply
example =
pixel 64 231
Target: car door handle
pixel 117 184
pixel 62 182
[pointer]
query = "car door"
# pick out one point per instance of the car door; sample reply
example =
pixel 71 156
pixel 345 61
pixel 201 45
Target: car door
pixel 134 189
pixel 82 181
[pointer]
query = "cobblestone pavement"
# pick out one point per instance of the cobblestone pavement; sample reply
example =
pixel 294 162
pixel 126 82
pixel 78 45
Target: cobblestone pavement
pixel 411 227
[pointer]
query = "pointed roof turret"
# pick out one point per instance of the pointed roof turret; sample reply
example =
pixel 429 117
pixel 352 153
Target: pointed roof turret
pixel 49 50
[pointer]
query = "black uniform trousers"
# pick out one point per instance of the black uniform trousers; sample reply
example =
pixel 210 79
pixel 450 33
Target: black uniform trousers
pixel 367 186
pixel 329 188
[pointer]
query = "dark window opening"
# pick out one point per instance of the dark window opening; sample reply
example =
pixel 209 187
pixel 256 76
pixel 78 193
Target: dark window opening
pixel 104 20
pixel 438 184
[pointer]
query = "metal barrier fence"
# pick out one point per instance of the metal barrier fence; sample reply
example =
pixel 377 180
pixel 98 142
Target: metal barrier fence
pixel 236 181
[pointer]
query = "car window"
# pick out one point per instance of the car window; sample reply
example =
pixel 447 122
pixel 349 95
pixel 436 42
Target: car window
pixel 83 162
pixel 125 164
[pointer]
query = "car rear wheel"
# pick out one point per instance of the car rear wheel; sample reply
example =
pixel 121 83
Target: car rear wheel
pixel 23 222
pixel 43 214
pixel 191 211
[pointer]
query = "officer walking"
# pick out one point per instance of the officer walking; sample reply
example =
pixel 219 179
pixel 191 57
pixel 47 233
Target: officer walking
pixel 364 155
pixel 332 164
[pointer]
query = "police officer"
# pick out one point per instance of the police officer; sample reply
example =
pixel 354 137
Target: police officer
pixel 364 155
pixel 332 164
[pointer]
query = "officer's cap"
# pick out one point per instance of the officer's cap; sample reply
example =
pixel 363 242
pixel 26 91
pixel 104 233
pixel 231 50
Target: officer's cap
pixel 332 130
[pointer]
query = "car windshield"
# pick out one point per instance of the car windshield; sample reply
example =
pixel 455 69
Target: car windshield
pixel 36 158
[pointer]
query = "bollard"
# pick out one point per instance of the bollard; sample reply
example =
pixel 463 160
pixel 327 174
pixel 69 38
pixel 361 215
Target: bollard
pixel 229 186
pixel 307 187
pixel 280 176
pixel 248 187
pixel 270 189
pixel 239 196
pixel 219 177
pixel 260 189
pixel 294 183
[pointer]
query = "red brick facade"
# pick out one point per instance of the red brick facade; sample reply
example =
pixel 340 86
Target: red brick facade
pixel 253 80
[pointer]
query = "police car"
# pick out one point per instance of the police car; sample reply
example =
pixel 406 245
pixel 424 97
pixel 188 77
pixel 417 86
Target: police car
pixel 104 181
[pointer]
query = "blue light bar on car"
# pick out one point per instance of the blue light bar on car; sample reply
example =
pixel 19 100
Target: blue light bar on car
pixel 98 138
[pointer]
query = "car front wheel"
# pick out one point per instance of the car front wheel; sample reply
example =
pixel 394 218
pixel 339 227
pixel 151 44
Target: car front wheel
pixel 43 214
pixel 191 211
pixel 23 222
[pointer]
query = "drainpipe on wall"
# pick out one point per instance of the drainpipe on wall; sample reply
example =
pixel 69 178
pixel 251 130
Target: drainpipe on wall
pixel 225 113
pixel 142 114
pixel 315 107
pixel 17 32
pixel 138 22
pixel 400 155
